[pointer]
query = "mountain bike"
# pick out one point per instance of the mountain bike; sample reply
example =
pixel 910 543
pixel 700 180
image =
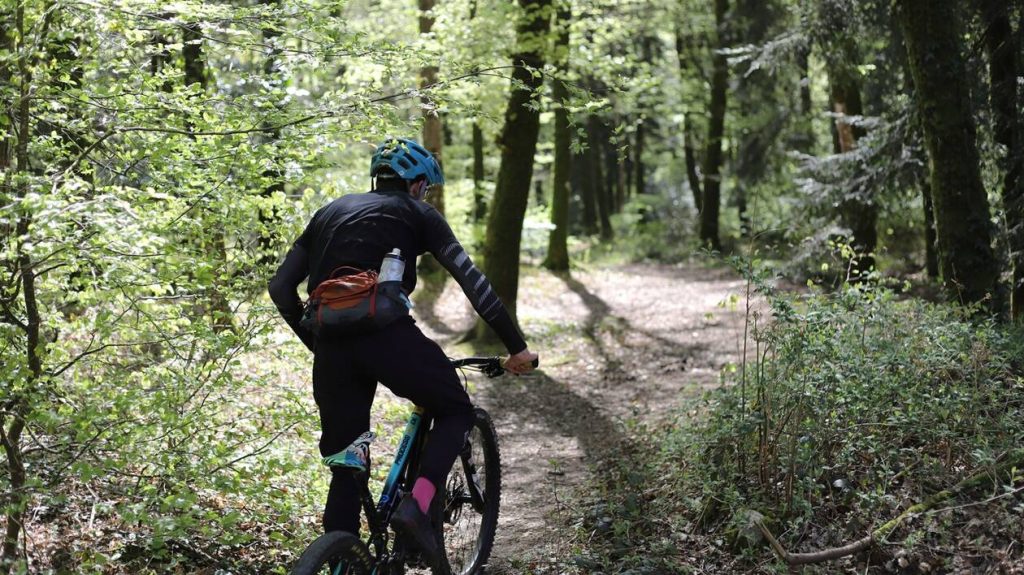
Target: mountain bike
pixel 466 516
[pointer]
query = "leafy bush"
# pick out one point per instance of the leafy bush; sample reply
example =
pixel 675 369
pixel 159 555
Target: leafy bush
pixel 850 407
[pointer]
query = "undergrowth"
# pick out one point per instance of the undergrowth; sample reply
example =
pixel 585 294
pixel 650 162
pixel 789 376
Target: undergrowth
pixel 849 408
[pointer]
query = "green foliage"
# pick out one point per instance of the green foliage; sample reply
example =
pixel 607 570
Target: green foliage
pixel 848 406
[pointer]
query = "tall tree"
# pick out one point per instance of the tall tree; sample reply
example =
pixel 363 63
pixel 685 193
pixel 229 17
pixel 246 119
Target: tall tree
pixel 558 252
pixel 935 53
pixel 1005 103
pixel 518 145
pixel 713 156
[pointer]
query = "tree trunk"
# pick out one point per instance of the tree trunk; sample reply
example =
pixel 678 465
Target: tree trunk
pixel 558 252
pixel 15 408
pixel 600 189
pixel 999 44
pixel 638 154
pixel 270 218
pixel 432 131
pixel 962 225
pixel 585 167
pixel 692 177
pixel 716 128
pixel 858 213
pixel 931 259
pixel 611 178
pixel 518 144
pixel 479 204
pixel 804 141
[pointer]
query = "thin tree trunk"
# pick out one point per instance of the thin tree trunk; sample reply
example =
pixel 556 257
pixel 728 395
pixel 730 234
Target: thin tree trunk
pixel 585 168
pixel 558 251
pixel 518 145
pixel 805 139
pixel 999 44
pixel 716 128
pixel 638 158
pixel 432 132
pixel 270 218
pixel 15 408
pixel 611 178
pixel 479 204
pixel 600 188
pixel 692 177
pixel 859 214
pixel 935 53
pixel 194 68
pixel 931 259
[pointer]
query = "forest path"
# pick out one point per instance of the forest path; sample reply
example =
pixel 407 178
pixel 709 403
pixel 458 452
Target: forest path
pixel 617 344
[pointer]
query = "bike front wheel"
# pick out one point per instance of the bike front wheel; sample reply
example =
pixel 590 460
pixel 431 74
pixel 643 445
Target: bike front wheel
pixel 472 499
pixel 334 553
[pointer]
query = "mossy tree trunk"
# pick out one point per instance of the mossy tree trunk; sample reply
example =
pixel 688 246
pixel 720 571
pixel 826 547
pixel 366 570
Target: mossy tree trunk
pixel 960 203
pixel 558 252
pixel 518 144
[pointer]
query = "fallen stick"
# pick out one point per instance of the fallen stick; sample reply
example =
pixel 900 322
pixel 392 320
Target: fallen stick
pixel 1014 459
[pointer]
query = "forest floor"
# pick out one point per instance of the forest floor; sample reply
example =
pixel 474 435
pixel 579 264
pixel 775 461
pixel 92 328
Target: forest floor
pixel 618 345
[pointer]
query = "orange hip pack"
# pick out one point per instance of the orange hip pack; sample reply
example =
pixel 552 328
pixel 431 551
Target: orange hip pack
pixel 351 303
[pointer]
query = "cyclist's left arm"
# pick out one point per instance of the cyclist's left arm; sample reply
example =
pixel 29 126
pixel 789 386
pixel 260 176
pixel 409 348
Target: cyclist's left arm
pixel 441 242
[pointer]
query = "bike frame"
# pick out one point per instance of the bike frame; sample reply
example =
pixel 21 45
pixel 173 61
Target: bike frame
pixel 377 514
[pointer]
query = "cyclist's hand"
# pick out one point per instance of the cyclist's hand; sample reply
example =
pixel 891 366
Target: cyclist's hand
pixel 521 362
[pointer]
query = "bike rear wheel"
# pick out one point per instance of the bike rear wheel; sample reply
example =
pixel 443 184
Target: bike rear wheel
pixel 472 500
pixel 335 553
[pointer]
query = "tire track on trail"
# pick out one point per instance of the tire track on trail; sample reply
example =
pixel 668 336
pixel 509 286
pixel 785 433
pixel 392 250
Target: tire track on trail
pixel 617 344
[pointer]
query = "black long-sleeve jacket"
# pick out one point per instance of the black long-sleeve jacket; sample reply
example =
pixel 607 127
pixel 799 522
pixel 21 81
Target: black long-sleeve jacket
pixel 357 230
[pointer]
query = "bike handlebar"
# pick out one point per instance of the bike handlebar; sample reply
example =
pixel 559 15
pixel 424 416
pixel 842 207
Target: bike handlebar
pixel 489 366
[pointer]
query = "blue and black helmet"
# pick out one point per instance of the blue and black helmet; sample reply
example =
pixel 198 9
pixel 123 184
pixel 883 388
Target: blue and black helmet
pixel 408 159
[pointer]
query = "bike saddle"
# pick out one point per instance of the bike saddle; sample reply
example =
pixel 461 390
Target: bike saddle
pixel 356 456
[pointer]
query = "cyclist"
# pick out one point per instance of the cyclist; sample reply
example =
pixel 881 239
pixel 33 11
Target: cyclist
pixel 357 230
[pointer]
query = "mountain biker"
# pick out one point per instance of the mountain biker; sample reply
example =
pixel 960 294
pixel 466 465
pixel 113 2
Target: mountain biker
pixel 357 230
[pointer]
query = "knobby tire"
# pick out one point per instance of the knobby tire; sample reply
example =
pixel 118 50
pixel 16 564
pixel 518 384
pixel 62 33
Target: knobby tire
pixel 468 545
pixel 338 546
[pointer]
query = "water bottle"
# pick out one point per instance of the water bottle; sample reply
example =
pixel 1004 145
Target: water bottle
pixel 393 267
pixel 391 270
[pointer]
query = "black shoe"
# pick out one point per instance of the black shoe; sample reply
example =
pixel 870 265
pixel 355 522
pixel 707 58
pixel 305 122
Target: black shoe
pixel 409 521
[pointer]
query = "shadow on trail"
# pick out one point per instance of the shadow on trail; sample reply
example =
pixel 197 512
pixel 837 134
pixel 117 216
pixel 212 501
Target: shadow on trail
pixel 553 404
pixel 599 314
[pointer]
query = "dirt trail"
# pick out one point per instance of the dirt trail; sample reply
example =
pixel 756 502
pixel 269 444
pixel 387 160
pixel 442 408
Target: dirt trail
pixel 617 344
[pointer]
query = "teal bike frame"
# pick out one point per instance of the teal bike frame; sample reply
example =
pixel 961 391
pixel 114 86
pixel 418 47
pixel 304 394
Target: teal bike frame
pixel 387 496
pixel 377 515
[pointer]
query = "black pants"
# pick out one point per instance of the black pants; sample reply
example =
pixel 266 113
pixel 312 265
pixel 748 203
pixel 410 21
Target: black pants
pixel 345 376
